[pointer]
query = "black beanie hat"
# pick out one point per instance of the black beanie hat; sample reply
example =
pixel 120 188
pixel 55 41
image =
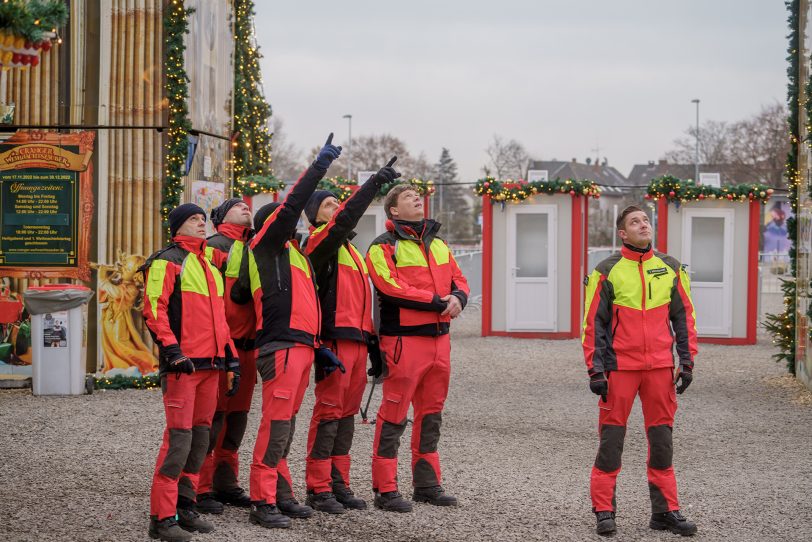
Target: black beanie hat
pixel 263 214
pixel 180 214
pixel 311 209
pixel 218 214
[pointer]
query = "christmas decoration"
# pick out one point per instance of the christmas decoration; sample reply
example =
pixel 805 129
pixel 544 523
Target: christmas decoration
pixel 28 28
pixel 176 26
pixel 516 191
pixel 252 146
pixel 782 326
pixel 682 191
pixel 343 188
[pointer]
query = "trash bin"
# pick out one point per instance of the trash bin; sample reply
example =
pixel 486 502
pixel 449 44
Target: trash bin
pixel 59 337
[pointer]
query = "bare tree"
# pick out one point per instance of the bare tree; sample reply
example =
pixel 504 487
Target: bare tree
pixel 715 144
pixel 370 153
pixel 508 159
pixel 286 158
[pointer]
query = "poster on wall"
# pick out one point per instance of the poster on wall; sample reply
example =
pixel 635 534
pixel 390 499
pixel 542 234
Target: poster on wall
pixel 208 195
pixel 775 242
pixel 46 204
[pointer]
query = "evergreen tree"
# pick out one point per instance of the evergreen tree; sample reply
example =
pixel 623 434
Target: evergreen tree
pixel 452 201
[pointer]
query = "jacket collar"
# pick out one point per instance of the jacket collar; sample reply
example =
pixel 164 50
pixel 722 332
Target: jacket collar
pixel 194 245
pixel 636 254
pixel 235 231
pixel 430 229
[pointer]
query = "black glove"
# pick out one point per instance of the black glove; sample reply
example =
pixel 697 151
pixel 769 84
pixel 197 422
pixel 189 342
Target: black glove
pixel 235 385
pixel 327 361
pixel 599 385
pixel 181 364
pixel 327 154
pixel 375 357
pixel 386 175
pixel 232 361
pixel 684 377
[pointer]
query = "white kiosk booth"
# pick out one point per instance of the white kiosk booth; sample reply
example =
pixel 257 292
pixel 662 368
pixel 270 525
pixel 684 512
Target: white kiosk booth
pixel 716 239
pixel 534 239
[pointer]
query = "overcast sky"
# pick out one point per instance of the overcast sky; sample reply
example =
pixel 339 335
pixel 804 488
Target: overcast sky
pixel 562 77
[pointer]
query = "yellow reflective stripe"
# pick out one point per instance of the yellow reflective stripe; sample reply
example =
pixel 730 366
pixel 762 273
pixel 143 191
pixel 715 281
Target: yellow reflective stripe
pixel 193 277
pixel 253 273
pixel 234 259
pixel 440 251
pixel 591 288
pixel 409 254
pixel 155 284
pixel 297 260
pixel 209 252
pixel 380 265
pixel 360 258
pixel 344 258
pixel 317 230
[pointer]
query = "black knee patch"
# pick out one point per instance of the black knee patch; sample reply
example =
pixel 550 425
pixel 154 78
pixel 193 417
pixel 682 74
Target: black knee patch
pixel 180 442
pixel 216 428
pixel 197 453
pixel 343 441
pixel 325 437
pixel 277 442
pixel 430 432
pixel 661 447
pixel 423 475
pixel 236 423
pixel 283 489
pixel 610 449
pixel 290 436
pixel 658 503
pixel 390 439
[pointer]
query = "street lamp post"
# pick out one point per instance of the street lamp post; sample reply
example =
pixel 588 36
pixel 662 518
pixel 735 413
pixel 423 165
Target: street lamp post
pixel 696 154
pixel 349 148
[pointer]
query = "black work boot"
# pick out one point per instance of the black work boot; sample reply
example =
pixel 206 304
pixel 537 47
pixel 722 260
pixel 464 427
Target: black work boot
pixel 268 516
pixel 433 495
pixel 672 521
pixel 234 497
pixel 345 496
pixel 392 501
pixel 167 530
pixel 606 523
pixel 191 521
pixel 325 502
pixel 207 504
pixel 292 508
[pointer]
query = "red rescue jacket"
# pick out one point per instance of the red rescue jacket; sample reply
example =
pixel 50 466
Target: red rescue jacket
pixel 233 239
pixel 183 304
pixel 412 271
pixel 341 273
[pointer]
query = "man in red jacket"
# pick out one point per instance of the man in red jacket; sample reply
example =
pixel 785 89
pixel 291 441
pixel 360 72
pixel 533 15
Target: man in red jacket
pixel 638 308
pixel 420 289
pixel 346 303
pixel 288 324
pixel 183 310
pixel 219 478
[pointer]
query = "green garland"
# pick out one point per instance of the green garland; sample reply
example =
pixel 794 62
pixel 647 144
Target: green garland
pixel 782 326
pixel 516 191
pixel 252 148
pixel 679 191
pixel 176 26
pixel 121 382
pixel 343 188
pixel 32 19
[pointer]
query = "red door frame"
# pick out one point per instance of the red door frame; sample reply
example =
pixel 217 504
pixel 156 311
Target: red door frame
pixel 752 270
pixel 579 239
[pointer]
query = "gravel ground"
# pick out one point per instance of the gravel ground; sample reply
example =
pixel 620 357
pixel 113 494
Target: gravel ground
pixel 518 442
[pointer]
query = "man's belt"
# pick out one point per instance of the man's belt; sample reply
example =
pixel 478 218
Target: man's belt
pixel 244 344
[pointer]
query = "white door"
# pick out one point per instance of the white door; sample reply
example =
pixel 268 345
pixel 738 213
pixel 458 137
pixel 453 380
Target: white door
pixel 531 270
pixel 707 251
pixel 371 225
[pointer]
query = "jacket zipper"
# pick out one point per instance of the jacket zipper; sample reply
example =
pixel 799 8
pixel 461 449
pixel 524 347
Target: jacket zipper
pixel 645 330
pixel 428 265
pixel 617 321
pixel 364 283
pixel 278 273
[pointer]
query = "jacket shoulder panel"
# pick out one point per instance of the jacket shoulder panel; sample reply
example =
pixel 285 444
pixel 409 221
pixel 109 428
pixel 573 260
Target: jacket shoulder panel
pixel 605 266
pixel 670 261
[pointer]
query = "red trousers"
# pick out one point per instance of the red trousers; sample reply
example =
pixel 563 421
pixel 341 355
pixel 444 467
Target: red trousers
pixel 417 371
pixel 189 402
pixel 338 400
pixel 659 400
pixel 221 468
pixel 285 376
